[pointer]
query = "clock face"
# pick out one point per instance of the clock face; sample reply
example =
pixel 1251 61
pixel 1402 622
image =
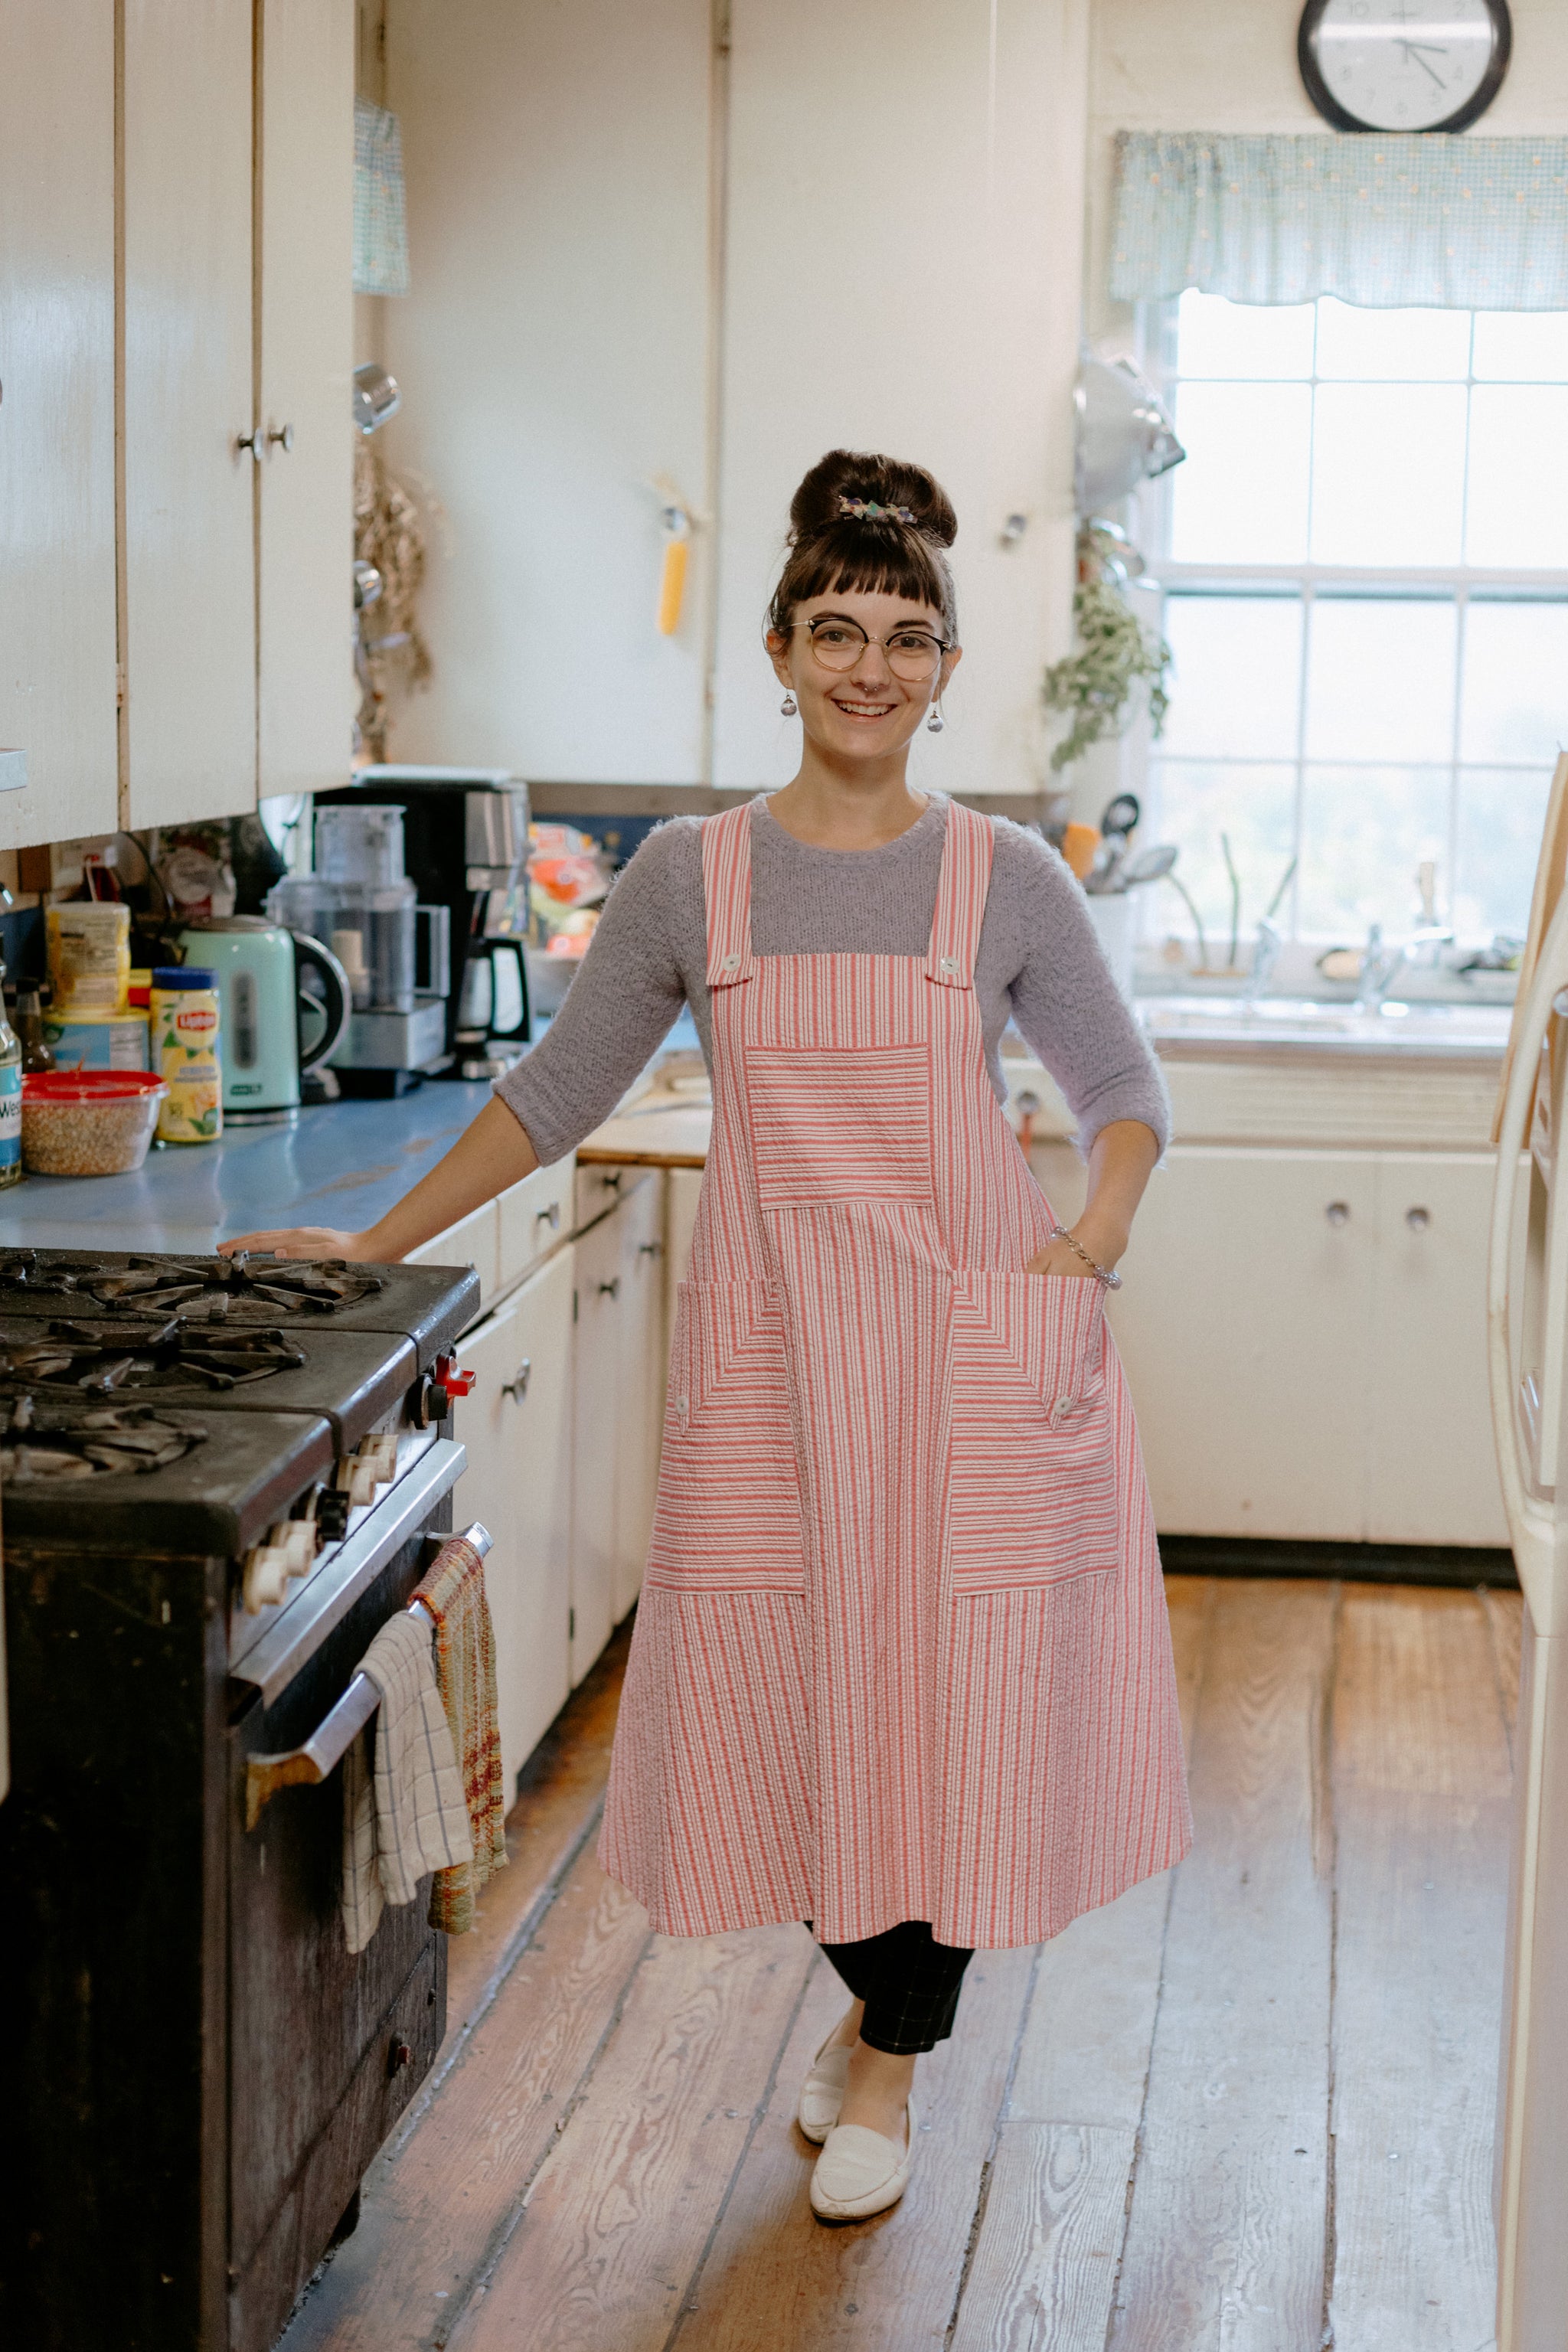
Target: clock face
pixel 1403 65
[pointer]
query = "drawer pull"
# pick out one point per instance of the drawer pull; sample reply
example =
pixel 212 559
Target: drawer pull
pixel 611 1179
pixel 1338 1212
pixel 1417 1218
pixel 549 1216
pixel 611 1289
pixel 517 1387
pixel 650 1249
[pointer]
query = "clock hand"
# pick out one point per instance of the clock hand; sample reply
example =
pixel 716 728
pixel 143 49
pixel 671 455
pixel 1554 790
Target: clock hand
pixel 1412 51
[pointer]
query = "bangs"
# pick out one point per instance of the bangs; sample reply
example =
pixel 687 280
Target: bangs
pixel 854 558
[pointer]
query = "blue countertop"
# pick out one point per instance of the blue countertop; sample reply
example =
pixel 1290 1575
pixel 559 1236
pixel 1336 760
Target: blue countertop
pixel 342 1164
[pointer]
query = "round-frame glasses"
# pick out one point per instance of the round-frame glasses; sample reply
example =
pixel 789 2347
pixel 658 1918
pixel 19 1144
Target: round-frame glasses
pixel 913 653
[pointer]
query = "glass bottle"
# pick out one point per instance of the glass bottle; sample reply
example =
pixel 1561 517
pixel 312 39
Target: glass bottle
pixel 37 1058
pixel 10 1100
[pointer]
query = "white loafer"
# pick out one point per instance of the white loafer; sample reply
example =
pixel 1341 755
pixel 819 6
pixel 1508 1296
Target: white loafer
pixel 861 2172
pixel 822 2093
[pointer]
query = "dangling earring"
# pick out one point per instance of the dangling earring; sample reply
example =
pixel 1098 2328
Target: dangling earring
pixel 788 706
pixel 936 722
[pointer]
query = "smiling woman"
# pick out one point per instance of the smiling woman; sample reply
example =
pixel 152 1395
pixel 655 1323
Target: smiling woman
pixel 901 1667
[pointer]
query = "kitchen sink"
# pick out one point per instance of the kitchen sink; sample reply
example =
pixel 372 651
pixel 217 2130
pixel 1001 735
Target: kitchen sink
pixel 1178 1025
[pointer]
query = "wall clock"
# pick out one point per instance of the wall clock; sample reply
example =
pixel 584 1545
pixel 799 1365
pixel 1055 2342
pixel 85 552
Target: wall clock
pixel 1403 65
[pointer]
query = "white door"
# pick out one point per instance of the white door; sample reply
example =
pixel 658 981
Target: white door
pixel 516 1424
pixel 1245 1326
pixel 305 258
pixel 1431 1472
pixel 56 418
pixel 643 1361
pixel 894 281
pixel 554 357
pixel 596 1426
pixel 190 491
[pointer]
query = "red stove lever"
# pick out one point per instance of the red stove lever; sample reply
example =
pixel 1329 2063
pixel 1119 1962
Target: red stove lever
pixel 454 1378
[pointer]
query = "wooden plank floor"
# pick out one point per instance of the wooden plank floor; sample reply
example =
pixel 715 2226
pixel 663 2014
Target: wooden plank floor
pixel 1248 2107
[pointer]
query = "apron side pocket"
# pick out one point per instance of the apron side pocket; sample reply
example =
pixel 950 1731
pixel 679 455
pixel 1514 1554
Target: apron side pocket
pixel 728 1514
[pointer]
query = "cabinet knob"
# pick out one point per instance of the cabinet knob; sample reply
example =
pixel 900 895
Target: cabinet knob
pixel 280 436
pixel 1338 1212
pixel 611 1289
pixel 1417 1218
pixel 248 443
pixel 650 1249
pixel 551 1216
pixel 611 1179
pixel 517 1387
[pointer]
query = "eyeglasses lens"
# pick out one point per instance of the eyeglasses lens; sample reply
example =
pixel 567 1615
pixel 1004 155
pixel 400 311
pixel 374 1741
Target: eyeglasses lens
pixel 912 653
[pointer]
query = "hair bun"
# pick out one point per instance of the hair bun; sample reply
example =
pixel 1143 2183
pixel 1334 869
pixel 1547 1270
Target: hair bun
pixel 851 474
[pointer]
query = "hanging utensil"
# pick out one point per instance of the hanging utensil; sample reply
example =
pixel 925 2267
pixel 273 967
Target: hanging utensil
pixel 1149 865
pixel 1123 815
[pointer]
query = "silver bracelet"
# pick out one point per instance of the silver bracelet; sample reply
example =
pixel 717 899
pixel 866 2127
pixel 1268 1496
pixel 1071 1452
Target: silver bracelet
pixel 1105 1274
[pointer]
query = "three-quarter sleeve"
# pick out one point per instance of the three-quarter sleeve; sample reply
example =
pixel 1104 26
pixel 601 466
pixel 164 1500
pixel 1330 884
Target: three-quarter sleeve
pixel 1066 1002
pixel 626 996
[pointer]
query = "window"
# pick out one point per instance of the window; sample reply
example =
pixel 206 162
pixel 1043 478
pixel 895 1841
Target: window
pixel 1364 565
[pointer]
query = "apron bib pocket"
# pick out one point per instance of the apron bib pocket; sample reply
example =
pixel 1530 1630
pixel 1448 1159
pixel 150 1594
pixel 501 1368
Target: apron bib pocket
pixel 728 1518
pixel 1032 1496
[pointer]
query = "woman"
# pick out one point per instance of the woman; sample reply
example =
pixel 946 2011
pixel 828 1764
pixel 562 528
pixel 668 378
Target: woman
pixel 901 1665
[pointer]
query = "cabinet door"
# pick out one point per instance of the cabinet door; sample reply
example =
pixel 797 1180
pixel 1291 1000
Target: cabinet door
pixel 558 332
pixel 1432 1475
pixel 190 492
pixel 472 1241
pixel 642 1364
pixel 684 1190
pixel 516 1424
pixel 598 1391
pixel 305 257
pixel 1245 1328
pixel 56 418
pixel 947 324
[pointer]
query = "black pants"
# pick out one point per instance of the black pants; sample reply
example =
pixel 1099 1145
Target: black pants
pixel 908 1982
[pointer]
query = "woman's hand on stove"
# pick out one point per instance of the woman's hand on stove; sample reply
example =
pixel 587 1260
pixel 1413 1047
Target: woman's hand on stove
pixel 302 1241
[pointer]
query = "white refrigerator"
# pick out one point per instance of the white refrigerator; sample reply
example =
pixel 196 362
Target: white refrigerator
pixel 1528 1341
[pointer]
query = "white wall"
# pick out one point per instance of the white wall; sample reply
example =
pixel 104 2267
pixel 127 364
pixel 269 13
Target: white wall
pixel 903 273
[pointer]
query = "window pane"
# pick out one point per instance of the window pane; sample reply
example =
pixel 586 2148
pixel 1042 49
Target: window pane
pixel 1236 683
pixel 1364 831
pixel 1388 473
pixel 1194 804
pixel 1514 704
pixel 1502 815
pixel 1380 680
pixel 1522 343
pixel 1399 343
pixel 1519 486
pixel 1215 337
pixel 1241 496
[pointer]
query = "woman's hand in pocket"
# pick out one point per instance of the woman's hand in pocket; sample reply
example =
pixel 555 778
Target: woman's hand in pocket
pixel 1059 1257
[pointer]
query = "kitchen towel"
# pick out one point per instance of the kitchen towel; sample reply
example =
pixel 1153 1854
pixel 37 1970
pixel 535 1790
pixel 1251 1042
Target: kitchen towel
pixel 454 1594
pixel 406 1816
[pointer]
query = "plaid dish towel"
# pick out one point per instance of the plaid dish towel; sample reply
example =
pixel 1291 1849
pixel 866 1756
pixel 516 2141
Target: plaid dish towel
pixel 407 1817
pixel 454 1594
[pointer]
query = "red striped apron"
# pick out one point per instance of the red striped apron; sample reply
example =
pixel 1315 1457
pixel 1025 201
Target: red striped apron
pixel 902 1651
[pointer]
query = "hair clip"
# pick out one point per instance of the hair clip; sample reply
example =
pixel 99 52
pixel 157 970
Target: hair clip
pixel 867 511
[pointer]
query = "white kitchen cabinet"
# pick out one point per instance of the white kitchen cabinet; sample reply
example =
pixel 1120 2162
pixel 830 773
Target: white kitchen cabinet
pixel 643 1367
pixel 187 556
pixel 619 1409
pixel 516 1425
pixel 534 1215
pixel 941 327
pixel 473 1241
pixel 305 309
pixel 554 355
pixel 57 645
pixel 683 1189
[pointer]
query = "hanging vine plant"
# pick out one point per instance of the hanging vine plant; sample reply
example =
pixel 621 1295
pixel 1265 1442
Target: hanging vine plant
pixel 1115 653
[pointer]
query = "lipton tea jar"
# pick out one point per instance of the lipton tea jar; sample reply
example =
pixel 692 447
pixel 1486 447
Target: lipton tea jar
pixel 182 1008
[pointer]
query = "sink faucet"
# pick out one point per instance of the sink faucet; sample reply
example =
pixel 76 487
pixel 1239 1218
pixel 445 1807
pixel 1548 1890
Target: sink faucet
pixel 1265 956
pixel 1382 960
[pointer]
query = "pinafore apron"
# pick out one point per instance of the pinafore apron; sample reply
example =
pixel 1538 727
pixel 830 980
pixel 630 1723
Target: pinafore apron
pixel 902 1651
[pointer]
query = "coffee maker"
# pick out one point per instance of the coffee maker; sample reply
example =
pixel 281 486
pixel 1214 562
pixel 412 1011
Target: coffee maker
pixel 464 837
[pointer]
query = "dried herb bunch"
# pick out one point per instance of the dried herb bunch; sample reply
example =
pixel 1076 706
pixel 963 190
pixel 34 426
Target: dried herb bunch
pixel 389 533
pixel 1115 653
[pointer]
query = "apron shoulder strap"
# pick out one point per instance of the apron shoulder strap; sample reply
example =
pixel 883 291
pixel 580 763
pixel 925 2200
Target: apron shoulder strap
pixel 727 895
pixel 960 897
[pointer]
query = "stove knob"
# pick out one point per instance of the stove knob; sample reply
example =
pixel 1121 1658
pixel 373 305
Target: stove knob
pixel 362 1480
pixel 381 1453
pixel 332 1513
pixel 296 1540
pixel 265 1578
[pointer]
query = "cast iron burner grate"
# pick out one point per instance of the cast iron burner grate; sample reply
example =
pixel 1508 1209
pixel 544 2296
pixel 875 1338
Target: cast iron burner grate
pixel 38 1447
pixel 240 1289
pixel 98 1359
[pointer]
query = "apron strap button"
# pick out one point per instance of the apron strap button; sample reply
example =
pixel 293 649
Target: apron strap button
pixel 731 963
pixel 948 963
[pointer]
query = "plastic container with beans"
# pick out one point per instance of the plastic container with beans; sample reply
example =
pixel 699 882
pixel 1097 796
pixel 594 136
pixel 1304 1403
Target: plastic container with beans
pixel 89 1122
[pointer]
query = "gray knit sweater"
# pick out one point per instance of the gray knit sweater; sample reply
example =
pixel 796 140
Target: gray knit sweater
pixel 1039 964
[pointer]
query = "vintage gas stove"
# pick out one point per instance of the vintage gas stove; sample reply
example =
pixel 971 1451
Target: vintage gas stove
pixel 220 1477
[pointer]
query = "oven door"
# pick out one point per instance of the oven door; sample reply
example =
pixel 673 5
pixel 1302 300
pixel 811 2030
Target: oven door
pixel 326 2048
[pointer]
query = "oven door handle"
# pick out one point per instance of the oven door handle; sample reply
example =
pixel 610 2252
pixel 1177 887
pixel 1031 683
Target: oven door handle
pixel 310 1763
